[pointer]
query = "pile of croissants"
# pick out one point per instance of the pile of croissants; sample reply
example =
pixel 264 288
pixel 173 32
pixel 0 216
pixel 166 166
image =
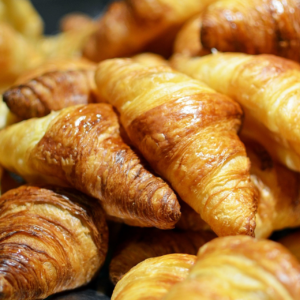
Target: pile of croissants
pixel 179 120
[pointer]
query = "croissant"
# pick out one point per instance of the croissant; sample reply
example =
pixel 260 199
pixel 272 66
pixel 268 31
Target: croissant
pixel 278 205
pixel 153 278
pixel 149 242
pixel 81 146
pixel 6 117
pixel 240 267
pixel 187 132
pixel 292 242
pixel 23 17
pixel 52 240
pixel 267 88
pixel 253 26
pixel 51 91
pixel 128 26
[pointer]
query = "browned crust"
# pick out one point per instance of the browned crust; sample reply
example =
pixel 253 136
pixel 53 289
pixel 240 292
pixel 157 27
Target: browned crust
pixel 30 240
pixel 51 91
pixel 103 166
pixel 147 243
pixel 253 27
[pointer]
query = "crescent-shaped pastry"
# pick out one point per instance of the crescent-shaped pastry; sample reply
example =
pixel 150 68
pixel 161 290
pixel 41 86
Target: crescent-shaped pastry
pixel 51 240
pixel 127 27
pixel 153 278
pixel 80 146
pixel 149 242
pixel 188 134
pixel 253 27
pixel 240 267
pixel 50 92
pixel 267 87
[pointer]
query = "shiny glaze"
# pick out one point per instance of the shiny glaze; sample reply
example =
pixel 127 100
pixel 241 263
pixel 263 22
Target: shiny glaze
pixel 51 239
pixel 254 27
pixel 81 146
pixel 188 133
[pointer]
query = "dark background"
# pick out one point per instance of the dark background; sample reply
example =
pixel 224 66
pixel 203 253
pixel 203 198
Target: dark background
pixel 52 10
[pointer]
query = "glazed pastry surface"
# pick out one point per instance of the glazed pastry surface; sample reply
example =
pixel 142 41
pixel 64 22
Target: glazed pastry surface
pixel 240 267
pixel 153 278
pixel 187 132
pixel 80 146
pixel 267 87
pixel 253 27
pixel 51 91
pixel 146 243
pixel 52 239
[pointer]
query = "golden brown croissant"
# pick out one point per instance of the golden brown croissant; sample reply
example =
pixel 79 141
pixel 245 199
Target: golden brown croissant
pixel 149 242
pixel 81 146
pixel 267 88
pixel 292 242
pixel 52 240
pixel 253 26
pixel 187 132
pixel 153 278
pixel 240 267
pixel 128 26
pixel 278 201
pixel 51 91
pixel 23 17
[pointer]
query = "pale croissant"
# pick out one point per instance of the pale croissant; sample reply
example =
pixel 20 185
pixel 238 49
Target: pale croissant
pixel 153 277
pixel 52 239
pixel 240 267
pixel 187 132
pixel 81 146
pixel 267 88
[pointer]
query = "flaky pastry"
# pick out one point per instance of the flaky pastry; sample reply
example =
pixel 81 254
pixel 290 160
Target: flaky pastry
pixel 240 267
pixel 188 134
pixel 52 239
pixel 153 278
pixel 81 146
pixel 267 87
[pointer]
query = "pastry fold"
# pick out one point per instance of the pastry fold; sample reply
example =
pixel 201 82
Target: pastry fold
pixel 51 240
pixel 80 146
pixel 149 242
pixel 188 134
pixel 240 267
pixel 267 87
pixel 253 27
pixel 127 27
pixel 51 91
pixel 153 278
